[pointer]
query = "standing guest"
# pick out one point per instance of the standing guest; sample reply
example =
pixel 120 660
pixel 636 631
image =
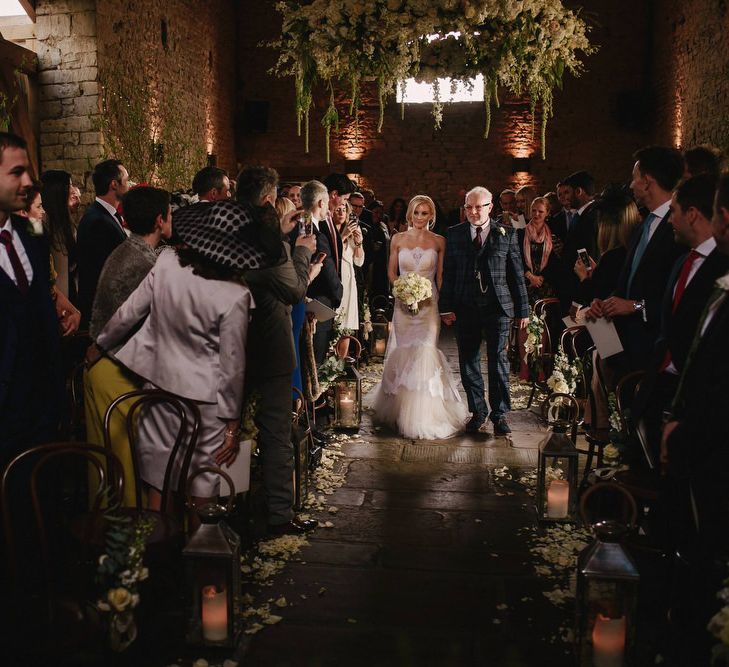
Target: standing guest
pixel 483 290
pixel 398 208
pixel 31 388
pixel 149 216
pixel 327 287
pixel 636 302
pixel 352 257
pixel 339 187
pixel 211 184
pixel 100 230
pixel 33 211
pixel 295 194
pixel 379 285
pixel 507 204
pixel 74 202
pixel 581 233
pixel 189 321
pixel 560 220
pixel 694 451
pixel 61 230
pixel 523 198
pixel 363 217
pixel 703 160
pixel 369 197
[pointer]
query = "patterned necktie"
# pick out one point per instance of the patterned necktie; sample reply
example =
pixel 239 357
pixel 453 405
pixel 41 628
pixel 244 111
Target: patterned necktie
pixel 21 278
pixel 477 240
pixel 645 237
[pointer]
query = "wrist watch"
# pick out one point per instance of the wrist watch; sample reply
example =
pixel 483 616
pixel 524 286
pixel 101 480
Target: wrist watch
pixel 639 307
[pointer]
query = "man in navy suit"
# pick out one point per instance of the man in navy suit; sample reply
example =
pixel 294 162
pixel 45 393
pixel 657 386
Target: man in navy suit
pixel 483 289
pixel 30 384
pixel 100 231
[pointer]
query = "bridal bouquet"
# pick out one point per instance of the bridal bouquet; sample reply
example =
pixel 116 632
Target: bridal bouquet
pixel 411 289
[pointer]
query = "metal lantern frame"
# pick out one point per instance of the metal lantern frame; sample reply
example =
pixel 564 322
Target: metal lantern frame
pixel 348 387
pixel 607 590
pixel 380 332
pixel 557 450
pixel 212 565
pixel 301 439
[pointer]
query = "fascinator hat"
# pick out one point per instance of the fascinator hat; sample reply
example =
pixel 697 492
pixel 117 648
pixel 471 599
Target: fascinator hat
pixel 223 232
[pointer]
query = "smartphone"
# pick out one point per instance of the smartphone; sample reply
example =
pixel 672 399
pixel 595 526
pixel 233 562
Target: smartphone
pixel 584 257
pixel 305 224
pixel 320 258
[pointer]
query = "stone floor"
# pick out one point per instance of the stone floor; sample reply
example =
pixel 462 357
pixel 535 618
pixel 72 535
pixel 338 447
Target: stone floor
pixel 427 563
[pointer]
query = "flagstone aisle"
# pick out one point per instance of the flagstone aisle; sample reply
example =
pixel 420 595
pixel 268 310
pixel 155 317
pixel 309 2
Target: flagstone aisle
pixel 427 560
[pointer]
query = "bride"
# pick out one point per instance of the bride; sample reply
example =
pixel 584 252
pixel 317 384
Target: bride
pixel 418 395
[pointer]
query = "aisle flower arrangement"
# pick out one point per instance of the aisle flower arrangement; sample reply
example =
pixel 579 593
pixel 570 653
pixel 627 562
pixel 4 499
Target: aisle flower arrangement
pixel 411 290
pixel 612 453
pixel 524 46
pixel 533 344
pixel 565 374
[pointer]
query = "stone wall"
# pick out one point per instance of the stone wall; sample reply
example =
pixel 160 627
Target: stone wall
pixel 692 72
pixel 67 59
pixel 179 59
pixel 594 126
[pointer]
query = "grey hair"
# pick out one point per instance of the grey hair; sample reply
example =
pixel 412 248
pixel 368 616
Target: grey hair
pixel 311 193
pixel 480 190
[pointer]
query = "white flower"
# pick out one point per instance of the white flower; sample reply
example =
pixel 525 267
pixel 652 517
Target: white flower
pixel 723 282
pixel 502 231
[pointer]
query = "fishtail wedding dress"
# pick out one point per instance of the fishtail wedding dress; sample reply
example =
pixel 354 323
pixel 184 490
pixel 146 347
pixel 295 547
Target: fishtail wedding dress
pixel 418 395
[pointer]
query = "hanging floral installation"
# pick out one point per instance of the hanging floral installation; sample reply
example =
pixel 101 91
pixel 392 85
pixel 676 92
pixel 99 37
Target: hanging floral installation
pixel 524 46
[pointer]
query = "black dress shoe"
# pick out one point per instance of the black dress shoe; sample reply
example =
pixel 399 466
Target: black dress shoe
pixel 293 527
pixel 501 427
pixel 475 423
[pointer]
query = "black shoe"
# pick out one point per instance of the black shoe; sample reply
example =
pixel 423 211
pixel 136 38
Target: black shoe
pixel 475 423
pixel 293 527
pixel 501 427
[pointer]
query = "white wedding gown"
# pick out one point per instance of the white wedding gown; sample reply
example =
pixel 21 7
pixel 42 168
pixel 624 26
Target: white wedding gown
pixel 418 395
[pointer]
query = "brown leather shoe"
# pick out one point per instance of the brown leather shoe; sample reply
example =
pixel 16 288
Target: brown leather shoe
pixel 293 527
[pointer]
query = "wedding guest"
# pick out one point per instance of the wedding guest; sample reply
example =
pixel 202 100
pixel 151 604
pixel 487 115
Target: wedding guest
pixel 398 208
pixel 581 233
pixel 369 197
pixel 31 388
pixel 100 230
pixel 635 305
pixel 189 322
pixel 149 216
pixel 523 198
pixel 694 451
pixel 295 194
pixel 74 203
pixel 352 256
pixel 379 284
pixel 690 285
pixel 363 217
pixel 560 220
pixel 703 160
pixel 339 188
pixel 327 287
pixel 56 195
pixel 33 211
pixel 211 184
pixel 507 204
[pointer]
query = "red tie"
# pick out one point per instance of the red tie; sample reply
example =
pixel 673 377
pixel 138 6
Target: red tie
pixel 6 238
pixel 678 293
pixel 477 240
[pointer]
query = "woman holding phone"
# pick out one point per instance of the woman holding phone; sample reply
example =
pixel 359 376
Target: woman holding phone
pixel 352 255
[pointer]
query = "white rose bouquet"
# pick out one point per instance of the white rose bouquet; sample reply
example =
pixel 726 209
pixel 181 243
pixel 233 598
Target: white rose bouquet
pixel 411 290
pixel 564 375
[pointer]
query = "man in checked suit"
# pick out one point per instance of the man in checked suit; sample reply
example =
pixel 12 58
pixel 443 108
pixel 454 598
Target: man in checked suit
pixel 483 289
pixel 100 231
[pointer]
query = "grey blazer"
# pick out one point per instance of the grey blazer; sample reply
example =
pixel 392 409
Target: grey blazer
pixel 192 342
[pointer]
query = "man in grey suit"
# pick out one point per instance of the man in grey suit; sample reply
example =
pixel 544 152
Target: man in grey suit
pixel 483 289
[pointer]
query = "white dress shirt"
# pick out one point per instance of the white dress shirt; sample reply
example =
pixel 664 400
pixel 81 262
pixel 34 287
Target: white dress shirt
pixel 5 264
pixel 485 227
pixel 659 213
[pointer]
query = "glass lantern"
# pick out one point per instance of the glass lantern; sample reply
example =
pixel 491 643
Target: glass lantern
pixel 606 600
pixel 379 337
pixel 300 438
pixel 212 573
pixel 348 397
pixel 557 477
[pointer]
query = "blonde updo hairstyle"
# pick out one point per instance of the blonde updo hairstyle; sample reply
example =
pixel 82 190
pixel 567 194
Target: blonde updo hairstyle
pixel 420 199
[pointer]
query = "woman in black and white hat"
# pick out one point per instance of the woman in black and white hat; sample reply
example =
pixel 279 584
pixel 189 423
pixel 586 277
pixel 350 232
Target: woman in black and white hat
pixel 194 315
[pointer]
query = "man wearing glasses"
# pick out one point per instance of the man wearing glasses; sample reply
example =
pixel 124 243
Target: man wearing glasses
pixel 483 290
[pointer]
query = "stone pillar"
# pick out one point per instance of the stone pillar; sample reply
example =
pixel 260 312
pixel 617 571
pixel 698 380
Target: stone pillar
pixel 69 90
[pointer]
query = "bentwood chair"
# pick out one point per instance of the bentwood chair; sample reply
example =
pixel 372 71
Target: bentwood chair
pixel 549 310
pixel 169 521
pixel 50 562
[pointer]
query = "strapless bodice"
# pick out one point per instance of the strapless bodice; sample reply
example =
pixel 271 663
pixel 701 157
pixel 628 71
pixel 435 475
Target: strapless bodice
pixel 423 261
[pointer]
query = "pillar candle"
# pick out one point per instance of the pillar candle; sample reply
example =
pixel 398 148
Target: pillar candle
pixel 380 346
pixel 346 409
pixel 608 641
pixel 558 495
pixel 214 614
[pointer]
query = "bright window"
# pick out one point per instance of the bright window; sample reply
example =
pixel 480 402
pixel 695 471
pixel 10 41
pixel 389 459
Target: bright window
pixel 423 92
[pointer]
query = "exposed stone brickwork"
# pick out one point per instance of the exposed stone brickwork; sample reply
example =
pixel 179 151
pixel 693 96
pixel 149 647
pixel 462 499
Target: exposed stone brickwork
pixel 591 129
pixel 692 72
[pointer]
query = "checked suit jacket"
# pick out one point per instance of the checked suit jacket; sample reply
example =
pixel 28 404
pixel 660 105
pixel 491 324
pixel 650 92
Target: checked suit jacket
pixel 499 262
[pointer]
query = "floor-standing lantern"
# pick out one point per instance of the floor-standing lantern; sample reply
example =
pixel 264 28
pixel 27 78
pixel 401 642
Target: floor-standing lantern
pixel 380 335
pixel 348 397
pixel 607 590
pixel 212 572
pixel 557 467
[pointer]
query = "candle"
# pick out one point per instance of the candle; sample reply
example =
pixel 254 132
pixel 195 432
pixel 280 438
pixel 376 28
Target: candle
pixel 380 346
pixel 558 495
pixel 608 641
pixel 346 409
pixel 214 614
